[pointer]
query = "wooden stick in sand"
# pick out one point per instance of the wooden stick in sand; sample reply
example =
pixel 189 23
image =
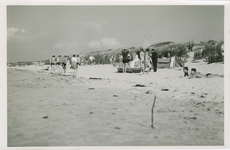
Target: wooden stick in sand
pixel 152 111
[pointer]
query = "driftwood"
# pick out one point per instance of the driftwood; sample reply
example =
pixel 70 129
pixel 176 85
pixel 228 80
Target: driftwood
pixel 152 111
pixel 95 78
pixel 164 89
pixel 139 85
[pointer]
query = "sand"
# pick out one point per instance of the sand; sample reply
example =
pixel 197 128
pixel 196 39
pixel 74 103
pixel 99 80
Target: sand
pixel 54 110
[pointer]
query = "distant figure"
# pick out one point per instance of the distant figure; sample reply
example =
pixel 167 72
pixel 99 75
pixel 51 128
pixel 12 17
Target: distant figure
pixel 172 62
pixel 111 60
pixel 137 62
pixel 154 60
pixel 126 59
pixel 74 63
pixel 142 58
pixel 129 59
pixel 114 61
pixel 64 63
pixel 185 70
pixel 59 63
pixel 83 61
pixel 78 63
pixel 52 64
pixel 120 60
pixel 147 63
pixel 91 58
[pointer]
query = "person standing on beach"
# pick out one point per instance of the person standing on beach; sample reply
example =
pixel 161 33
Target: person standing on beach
pixel 59 63
pixel 148 61
pixel 125 61
pixel 78 63
pixel 154 60
pixel 142 58
pixel 52 64
pixel 114 61
pixel 120 60
pixel 91 58
pixel 75 63
pixel 111 60
pixel 64 63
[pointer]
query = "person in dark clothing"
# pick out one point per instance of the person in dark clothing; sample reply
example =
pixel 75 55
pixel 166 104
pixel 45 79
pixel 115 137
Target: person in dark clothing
pixel 154 60
pixel 64 62
pixel 185 69
pixel 126 59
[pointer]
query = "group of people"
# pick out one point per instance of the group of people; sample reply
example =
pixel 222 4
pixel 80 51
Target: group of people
pixel 194 74
pixel 59 64
pixel 144 59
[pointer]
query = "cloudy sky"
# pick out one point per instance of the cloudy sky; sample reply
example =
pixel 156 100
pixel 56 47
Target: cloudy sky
pixel 37 32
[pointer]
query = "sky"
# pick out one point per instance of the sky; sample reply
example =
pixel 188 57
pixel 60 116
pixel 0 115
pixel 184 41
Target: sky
pixel 38 32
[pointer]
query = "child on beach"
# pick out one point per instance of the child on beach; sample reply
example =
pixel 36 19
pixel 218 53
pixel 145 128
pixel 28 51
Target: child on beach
pixel 185 70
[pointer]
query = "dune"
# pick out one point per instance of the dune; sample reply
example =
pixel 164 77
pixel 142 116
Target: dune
pixel 55 110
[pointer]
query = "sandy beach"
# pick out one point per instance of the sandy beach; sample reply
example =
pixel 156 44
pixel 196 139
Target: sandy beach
pixel 54 110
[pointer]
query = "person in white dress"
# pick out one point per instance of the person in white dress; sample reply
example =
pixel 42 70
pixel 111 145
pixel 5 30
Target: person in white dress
pixel 75 62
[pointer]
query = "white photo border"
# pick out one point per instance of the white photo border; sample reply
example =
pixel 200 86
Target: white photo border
pixel 3 59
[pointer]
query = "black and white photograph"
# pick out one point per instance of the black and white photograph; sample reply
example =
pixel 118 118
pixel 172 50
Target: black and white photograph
pixel 116 75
